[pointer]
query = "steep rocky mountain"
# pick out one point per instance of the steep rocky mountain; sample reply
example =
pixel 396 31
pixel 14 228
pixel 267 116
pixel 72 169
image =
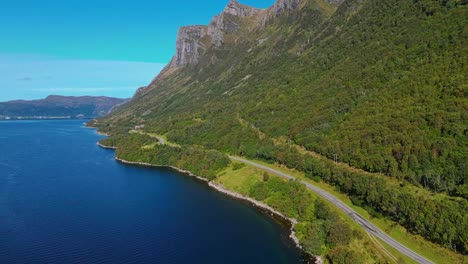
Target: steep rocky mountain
pixel 235 24
pixel 377 85
pixel 55 106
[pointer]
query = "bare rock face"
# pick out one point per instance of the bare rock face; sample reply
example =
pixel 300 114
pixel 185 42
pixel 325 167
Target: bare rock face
pixel 190 45
pixel 282 6
pixel 228 21
pixel 193 41
pixel 279 8
pixel 236 9
pixel 215 30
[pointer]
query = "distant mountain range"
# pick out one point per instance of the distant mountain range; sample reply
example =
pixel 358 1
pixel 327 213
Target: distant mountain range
pixel 59 107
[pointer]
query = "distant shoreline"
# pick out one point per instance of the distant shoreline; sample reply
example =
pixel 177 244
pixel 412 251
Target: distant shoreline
pixel 45 118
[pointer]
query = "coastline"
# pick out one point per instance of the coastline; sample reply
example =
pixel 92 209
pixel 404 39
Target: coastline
pixel 144 164
pixel 87 125
pixel 106 147
pixel 291 221
pixel 261 205
pixel 101 133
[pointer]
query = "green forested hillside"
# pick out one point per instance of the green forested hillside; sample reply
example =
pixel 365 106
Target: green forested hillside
pixel 379 85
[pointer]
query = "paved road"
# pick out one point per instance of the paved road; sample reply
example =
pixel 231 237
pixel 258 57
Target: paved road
pixel 369 227
pixel 161 140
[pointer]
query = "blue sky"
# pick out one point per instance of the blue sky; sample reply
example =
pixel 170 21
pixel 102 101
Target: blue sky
pixel 92 47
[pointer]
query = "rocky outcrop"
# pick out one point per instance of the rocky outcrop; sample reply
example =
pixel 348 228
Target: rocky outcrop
pixel 236 9
pixel 282 6
pixel 193 41
pixel 279 8
pixel 190 45
pixel 229 21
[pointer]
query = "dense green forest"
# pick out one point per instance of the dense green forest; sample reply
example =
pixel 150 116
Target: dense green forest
pixel 379 85
pixel 145 149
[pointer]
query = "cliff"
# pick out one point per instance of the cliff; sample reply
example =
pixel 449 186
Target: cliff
pixel 235 20
pixel 192 41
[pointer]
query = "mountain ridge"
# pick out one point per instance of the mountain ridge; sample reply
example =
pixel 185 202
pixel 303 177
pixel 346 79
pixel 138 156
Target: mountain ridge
pixel 192 41
pixel 57 106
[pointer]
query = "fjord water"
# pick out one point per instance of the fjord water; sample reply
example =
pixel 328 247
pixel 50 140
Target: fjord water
pixel 63 199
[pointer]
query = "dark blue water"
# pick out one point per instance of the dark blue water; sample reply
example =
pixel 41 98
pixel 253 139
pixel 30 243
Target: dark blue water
pixel 65 200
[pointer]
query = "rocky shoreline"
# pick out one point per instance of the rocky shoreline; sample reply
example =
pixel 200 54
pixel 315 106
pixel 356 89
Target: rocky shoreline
pixel 101 133
pixel 144 164
pixel 261 205
pixel 106 147
pixel 292 222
